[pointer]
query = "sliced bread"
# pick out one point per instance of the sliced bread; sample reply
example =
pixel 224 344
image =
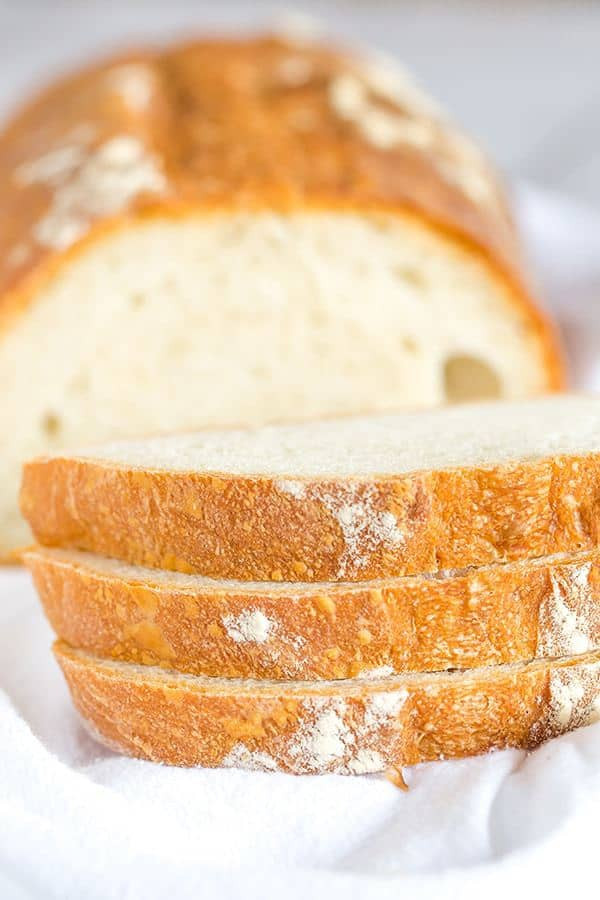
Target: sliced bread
pixel 353 726
pixel 487 616
pixel 241 231
pixel 344 499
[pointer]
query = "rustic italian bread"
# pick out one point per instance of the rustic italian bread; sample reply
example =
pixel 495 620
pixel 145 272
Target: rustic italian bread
pixel 343 499
pixel 245 231
pixel 495 614
pixel 352 726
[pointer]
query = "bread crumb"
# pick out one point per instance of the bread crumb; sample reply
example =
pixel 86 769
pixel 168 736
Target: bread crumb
pixel 396 776
pixel 472 181
pixel 383 707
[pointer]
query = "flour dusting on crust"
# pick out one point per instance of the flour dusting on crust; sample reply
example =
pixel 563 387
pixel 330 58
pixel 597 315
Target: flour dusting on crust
pixel 380 127
pixel 365 528
pixel 249 626
pixel 271 643
pixel 134 83
pixel 296 489
pixel 240 757
pixel 336 737
pixel 53 167
pixel 89 183
pixel 566 614
pixel 323 743
pixel 391 81
pixel 574 700
pixel 384 706
pixel 94 732
pixel 357 99
pixel 366 762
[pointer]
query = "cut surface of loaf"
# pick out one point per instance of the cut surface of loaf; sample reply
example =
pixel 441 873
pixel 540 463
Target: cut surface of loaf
pixel 295 233
pixel 346 499
pixel 480 617
pixel 349 727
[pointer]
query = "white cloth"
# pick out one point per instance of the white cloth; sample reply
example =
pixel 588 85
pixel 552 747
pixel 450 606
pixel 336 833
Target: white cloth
pixel 77 821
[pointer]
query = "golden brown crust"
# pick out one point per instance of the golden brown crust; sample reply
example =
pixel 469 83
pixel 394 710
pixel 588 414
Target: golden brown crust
pixel 238 125
pixel 488 616
pixel 254 528
pixel 313 727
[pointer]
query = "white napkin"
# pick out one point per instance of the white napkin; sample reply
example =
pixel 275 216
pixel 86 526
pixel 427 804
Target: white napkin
pixel 77 821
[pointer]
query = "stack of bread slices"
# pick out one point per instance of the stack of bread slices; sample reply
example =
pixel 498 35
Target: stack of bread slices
pixel 348 595
pixel 246 231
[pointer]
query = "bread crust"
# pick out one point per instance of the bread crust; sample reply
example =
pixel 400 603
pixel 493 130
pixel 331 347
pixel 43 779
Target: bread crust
pixel 489 616
pixel 223 121
pixel 348 727
pixel 289 529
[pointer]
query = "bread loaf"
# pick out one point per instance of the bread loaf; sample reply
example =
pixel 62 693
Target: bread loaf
pixel 353 726
pixel 479 617
pixel 244 231
pixel 344 499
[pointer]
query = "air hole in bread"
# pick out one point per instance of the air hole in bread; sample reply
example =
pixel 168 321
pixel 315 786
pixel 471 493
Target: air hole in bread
pixel 51 424
pixel 137 300
pixel 469 378
pixel 410 345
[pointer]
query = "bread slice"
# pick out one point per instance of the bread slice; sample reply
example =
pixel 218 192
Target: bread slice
pixel 345 499
pixel 480 617
pixel 353 726
pixel 244 231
